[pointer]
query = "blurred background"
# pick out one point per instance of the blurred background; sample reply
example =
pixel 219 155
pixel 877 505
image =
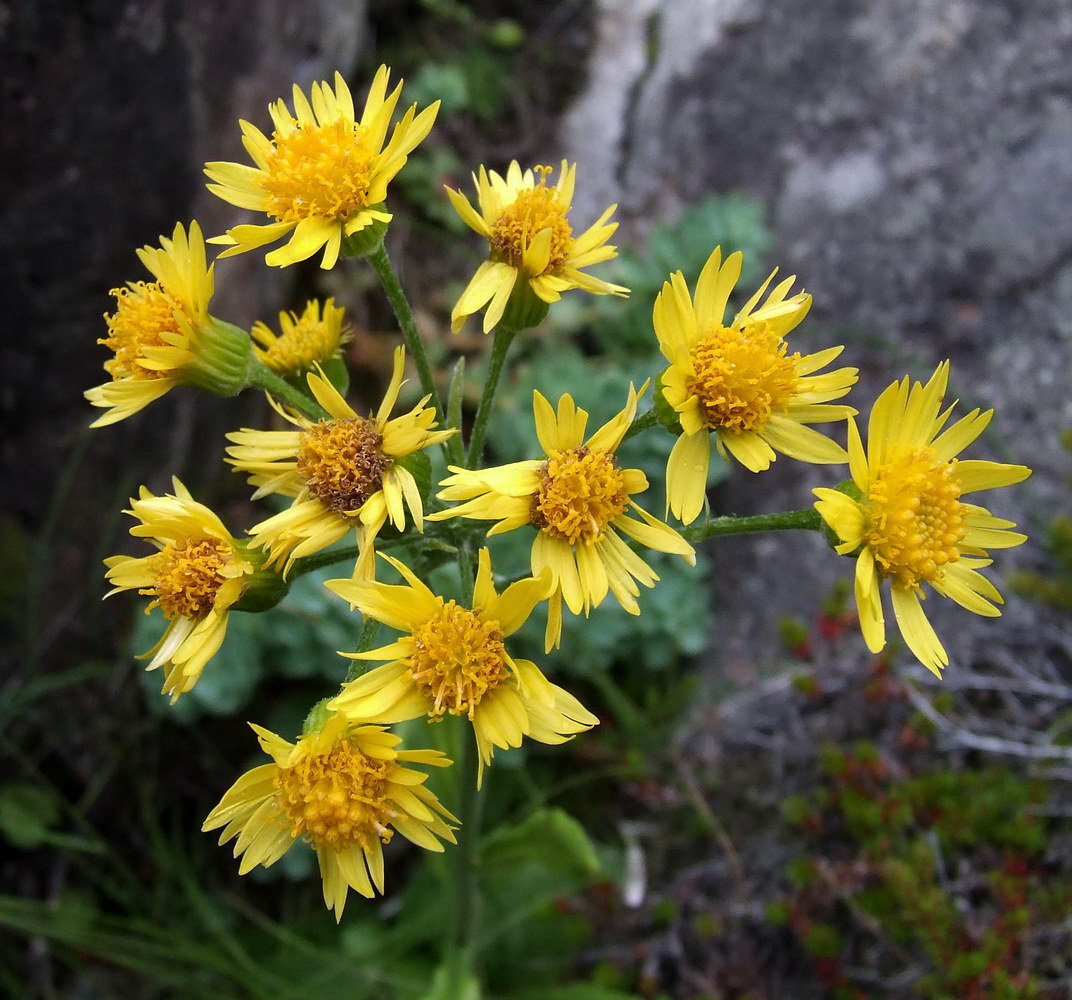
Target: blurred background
pixel 767 810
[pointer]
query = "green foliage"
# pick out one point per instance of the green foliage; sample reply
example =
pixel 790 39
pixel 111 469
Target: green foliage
pixel 524 870
pixel 28 814
pixel 899 837
pixel 822 941
pixel 578 991
pixel 454 980
pixel 548 839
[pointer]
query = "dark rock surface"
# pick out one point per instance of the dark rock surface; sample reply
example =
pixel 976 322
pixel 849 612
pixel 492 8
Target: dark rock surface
pixel 917 158
pixel 110 110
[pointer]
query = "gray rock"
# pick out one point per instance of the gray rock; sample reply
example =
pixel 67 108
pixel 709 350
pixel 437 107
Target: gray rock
pixel 917 157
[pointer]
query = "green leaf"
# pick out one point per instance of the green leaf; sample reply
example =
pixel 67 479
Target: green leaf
pixel 445 82
pixel 27 815
pixel 550 838
pixel 338 374
pixel 419 465
pixel 454 980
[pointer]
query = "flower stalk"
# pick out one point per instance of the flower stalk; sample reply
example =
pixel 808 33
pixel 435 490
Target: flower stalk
pixel 803 520
pixel 262 377
pixel 646 420
pixel 381 264
pixel 504 337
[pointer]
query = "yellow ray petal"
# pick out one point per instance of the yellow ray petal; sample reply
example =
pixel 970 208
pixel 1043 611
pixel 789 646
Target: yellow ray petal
pixel 917 631
pixel 803 443
pixel 686 476
pixel 748 448
pixel 715 284
pixel 869 603
pixel 976 475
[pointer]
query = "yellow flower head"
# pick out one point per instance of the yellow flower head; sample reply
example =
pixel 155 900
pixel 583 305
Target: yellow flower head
pixel 304 341
pixel 453 660
pixel 162 335
pixel 531 242
pixel 578 499
pixel 344 472
pixel 342 789
pixel 739 381
pixel 195 578
pixel 910 524
pixel 323 175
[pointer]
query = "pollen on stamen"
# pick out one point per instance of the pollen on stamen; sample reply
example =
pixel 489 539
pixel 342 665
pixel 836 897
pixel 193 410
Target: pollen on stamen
pixel 533 210
pixel 581 492
pixel 915 520
pixel 144 313
pixel 337 798
pixel 743 377
pixel 188 576
pixel 457 659
pixel 342 462
pixel 318 171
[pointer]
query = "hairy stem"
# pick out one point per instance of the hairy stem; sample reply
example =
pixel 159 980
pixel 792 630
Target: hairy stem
pixel 642 423
pixel 463 858
pixel 504 336
pixel 309 564
pixel 364 644
pixel 262 377
pixel 385 271
pixel 807 519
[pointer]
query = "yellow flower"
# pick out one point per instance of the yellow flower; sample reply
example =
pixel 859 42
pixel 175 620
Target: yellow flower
pixel 195 578
pixel 531 242
pixel 304 341
pixel 910 525
pixel 453 660
pixel 577 499
pixel 739 381
pixel 162 334
pixel 344 473
pixel 323 175
pixel 341 789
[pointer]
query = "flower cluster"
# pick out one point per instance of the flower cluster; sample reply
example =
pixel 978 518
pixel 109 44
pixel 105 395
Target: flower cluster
pixel 348 784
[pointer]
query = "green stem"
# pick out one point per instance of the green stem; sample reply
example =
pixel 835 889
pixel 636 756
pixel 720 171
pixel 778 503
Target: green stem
pixel 364 644
pixel 309 564
pixel 455 398
pixel 642 423
pixel 463 858
pixel 466 570
pixel 504 336
pixel 262 377
pixel 381 264
pixel 467 796
pixel 807 519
